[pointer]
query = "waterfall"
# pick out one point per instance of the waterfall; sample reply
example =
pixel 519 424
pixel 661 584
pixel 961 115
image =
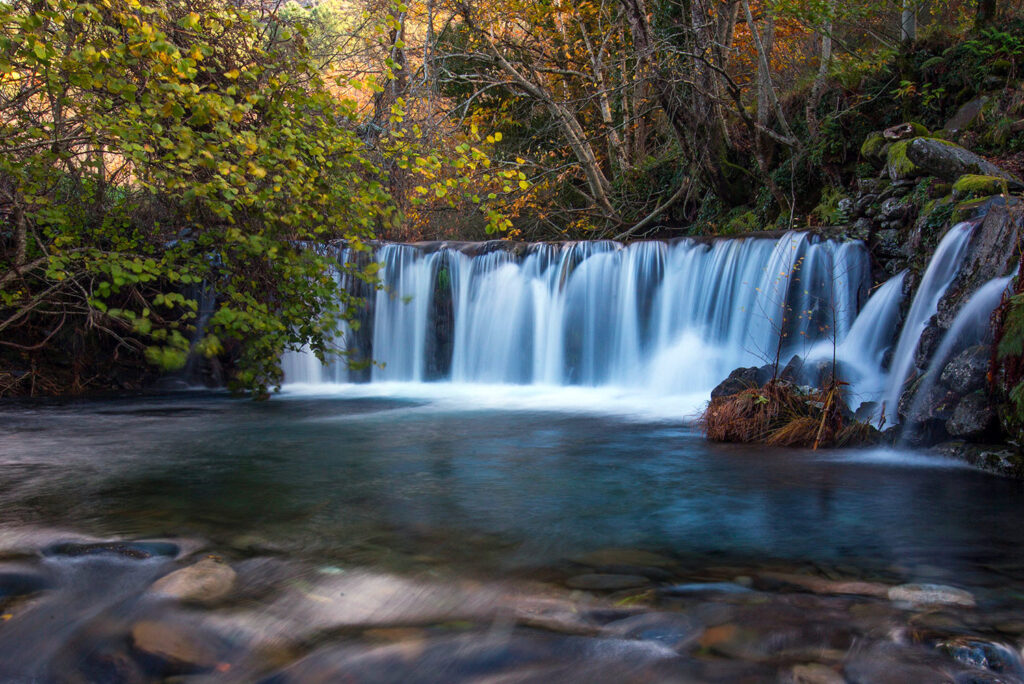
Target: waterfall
pixel 970 327
pixel 941 271
pixel 861 352
pixel 666 318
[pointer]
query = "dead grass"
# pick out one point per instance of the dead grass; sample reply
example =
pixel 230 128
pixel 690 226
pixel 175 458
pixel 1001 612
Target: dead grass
pixel 777 414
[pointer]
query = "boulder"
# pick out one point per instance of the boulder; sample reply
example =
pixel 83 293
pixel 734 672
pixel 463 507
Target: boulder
pixel 899 165
pixel 974 185
pixel 894 209
pixel 739 380
pixel 966 115
pixel 973 417
pixel 967 371
pixel 207 581
pixel 949 162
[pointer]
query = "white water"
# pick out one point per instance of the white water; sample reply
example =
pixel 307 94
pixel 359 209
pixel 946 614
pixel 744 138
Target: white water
pixel 936 280
pixel 970 327
pixel 861 352
pixel 653 324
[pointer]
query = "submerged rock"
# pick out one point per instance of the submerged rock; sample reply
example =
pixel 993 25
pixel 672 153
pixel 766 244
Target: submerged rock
pixel 205 582
pixel 176 644
pixel 673 630
pixel 930 594
pixel 21 583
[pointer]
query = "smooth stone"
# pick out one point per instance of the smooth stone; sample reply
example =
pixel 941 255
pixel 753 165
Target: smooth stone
pixel 177 644
pixel 554 615
pixel 820 585
pixel 931 594
pixel 986 655
pixel 949 161
pixel 613 556
pixel 206 581
pixel 604 582
pixel 815 673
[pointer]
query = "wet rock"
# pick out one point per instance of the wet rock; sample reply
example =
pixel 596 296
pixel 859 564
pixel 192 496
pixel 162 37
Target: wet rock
pixel 605 582
pixel 739 380
pixel 931 338
pixel 985 655
pixel 888 244
pixel 207 581
pixel 815 673
pixel 653 574
pixel 949 162
pixel 820 585
pixel 134 550
pixel 1001 459
pixel 973 417
pixel 178 645
pixel 673 630
pixel 966 115
pixel 615 556
pixel 555 615
pixel 867 411
pixel 894 209
pixel 967 371
pixel 861 229
pixel 930 594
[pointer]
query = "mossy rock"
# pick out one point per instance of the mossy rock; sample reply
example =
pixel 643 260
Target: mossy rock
pixel 969 209
pixel 898 165
pixel 974 185
pixel 872 147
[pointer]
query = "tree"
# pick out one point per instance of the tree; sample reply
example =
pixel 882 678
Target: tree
pixel 147 148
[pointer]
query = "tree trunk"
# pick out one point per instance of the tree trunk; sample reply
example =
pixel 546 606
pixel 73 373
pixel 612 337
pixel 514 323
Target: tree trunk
pixel 908 23
pixel 985 14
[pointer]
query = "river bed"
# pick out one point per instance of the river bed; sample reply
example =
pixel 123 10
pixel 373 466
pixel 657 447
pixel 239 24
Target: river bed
pixel 376 536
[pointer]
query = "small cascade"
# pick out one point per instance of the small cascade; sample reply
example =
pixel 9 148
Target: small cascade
pixel 667 318
pixel 941 271
pixel 861 352
pixel 970 327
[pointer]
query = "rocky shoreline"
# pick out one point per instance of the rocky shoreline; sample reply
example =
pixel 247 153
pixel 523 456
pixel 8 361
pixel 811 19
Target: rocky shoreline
pixel 179 610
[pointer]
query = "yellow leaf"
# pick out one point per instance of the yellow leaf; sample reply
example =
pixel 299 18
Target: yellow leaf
pixel 233 74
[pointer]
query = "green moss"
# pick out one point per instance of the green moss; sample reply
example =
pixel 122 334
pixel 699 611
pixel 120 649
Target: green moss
pixel 968 210
pixel 872 147
pixel 897 162
pixel 920 130
pixel 740 221
pixel 977 186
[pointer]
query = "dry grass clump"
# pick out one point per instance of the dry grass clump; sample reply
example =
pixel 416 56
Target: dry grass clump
pixel 780 414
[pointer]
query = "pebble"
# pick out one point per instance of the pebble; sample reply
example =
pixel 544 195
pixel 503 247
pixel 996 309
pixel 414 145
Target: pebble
pixel 205 582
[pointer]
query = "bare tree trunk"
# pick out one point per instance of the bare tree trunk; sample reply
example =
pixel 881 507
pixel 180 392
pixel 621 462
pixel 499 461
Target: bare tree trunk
pixel 814 98
pixel 762 59
pixel 908 23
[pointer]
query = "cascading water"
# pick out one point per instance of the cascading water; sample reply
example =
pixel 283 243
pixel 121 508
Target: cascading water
pixel 861 352
pixel 664 318
pixel 937 277
pixel 971 326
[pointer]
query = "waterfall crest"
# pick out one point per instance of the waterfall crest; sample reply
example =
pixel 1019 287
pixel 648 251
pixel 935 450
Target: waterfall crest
pixel 668 318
